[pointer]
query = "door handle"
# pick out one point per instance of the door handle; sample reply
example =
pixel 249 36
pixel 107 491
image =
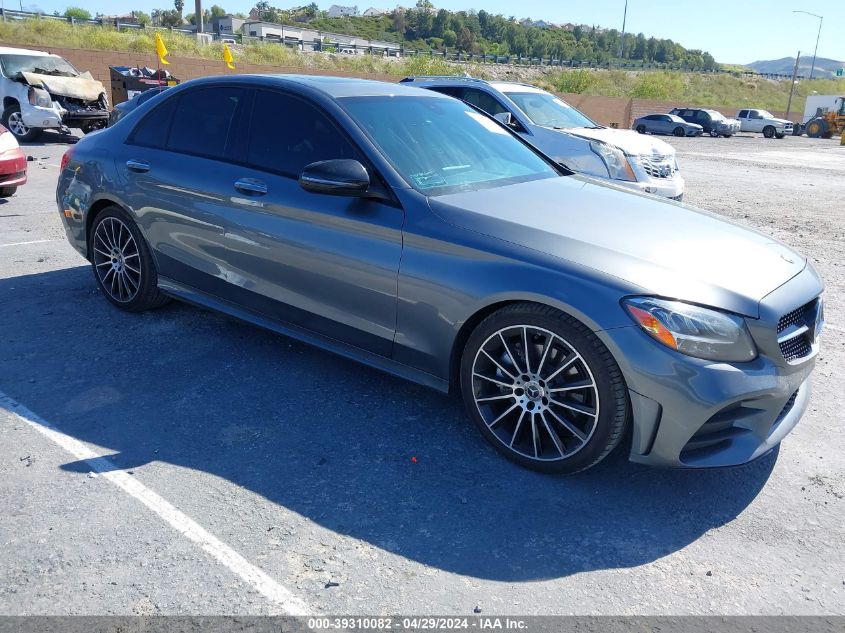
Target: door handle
pixel 251 186
pixel 138 166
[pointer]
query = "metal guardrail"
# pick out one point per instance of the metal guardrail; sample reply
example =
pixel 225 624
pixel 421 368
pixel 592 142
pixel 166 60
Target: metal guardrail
pixel 326 43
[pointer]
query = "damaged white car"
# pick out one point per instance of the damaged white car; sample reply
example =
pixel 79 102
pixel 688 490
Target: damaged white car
pixel 42 91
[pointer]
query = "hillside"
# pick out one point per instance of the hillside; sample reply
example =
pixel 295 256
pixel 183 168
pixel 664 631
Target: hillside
pixel 824 67
pixel 710 89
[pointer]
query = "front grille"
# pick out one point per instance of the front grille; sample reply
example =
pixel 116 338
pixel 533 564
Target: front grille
pixel 658 166
pixel 799 344
pixel 795 348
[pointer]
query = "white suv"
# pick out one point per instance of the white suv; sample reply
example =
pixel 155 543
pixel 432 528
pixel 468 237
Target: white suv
pixel 43 91
pixel 569 137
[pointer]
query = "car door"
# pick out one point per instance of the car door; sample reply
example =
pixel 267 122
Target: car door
pixel 755 121
pixel 663 124
pixel 325 263
pixel 742 116
pixel 177 181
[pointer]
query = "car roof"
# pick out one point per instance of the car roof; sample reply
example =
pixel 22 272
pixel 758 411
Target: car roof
pixel 7 50
pixel 501 86
pixel 334 87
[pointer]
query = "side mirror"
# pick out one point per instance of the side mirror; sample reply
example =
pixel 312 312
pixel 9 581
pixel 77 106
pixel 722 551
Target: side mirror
pixel 505 118
pixel 337 177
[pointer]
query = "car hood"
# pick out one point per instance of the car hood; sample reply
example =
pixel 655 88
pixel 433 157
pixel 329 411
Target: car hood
pixel 661 247
pixel 83 87
pixel 631 142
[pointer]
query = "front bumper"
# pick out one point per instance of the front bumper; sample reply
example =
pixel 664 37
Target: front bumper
pixel 58 117
pixel 693 413
pixel 670 185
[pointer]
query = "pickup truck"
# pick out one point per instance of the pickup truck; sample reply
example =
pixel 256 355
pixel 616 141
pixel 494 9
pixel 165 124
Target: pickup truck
pixel 765 122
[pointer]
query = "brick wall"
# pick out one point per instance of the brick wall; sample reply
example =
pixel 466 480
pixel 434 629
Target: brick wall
pixel 612 111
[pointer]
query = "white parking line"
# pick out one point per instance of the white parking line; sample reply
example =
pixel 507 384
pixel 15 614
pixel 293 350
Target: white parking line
pixel 32 242
pixel 286 602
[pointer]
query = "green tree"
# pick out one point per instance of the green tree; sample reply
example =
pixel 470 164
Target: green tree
pixel 449 38
pixel 216 11
pixel 143 18
pixel 77 13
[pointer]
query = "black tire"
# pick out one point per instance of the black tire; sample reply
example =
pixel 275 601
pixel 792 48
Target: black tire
pixel 679 131
pixel 31 134
pixel 769 131
pixel 714 133
pixel 641 129
pixel 7 192
pixel 606 396
pixel 816 128
pixel 117 225
pixel 780 135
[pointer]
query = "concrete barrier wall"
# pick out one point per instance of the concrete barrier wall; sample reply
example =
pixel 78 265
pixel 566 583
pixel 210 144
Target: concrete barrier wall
pixel 611 111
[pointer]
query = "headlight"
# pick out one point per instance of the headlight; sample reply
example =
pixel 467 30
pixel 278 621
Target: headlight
pixel 693 330
pixel 614 159
pixel 39 97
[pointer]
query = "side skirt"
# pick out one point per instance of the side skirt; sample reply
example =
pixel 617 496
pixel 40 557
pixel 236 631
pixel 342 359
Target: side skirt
pixel 202 299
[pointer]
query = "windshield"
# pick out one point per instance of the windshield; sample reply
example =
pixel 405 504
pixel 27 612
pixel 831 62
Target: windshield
pixel 442 145
pixel 546 110
pixel 675 118
pixel 43 65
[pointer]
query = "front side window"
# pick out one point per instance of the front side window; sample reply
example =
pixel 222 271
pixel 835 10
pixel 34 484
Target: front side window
pixel 743 114
pixel 288 133
pixel 442 145
pixel 40 64
pixel 482 100
pixel 546 110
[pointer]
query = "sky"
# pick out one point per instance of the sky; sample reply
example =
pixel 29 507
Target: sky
pixel 733 32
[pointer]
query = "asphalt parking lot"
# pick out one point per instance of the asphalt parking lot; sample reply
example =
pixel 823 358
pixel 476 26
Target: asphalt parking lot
pixel 246 473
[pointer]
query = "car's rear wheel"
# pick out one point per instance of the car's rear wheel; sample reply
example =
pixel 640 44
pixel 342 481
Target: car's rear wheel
pixel 13 120
pixel 122 262
pixel 641 129
pixel 769 131
pixel 543 389
pixel 678 131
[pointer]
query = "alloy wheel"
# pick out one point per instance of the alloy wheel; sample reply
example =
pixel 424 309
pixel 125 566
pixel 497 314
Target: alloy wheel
pixel 116 260
pixel 535 393
pixel 16 124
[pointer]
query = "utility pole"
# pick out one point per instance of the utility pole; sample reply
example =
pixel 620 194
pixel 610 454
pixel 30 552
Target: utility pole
pixel 792 86
pixel 818 35
pixel 622 41
pixel 198 15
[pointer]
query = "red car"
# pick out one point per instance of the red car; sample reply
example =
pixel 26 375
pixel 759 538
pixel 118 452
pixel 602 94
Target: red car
pixel 12 164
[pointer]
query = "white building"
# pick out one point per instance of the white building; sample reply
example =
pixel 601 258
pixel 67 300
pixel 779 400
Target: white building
pixel 373 12
pixel 339 11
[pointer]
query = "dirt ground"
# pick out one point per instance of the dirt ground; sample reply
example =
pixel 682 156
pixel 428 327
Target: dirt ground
pixel 299 463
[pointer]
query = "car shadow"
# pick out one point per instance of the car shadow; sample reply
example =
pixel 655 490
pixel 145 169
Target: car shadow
pixel 333 440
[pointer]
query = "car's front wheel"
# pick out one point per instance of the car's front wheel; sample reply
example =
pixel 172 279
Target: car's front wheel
pixel 543 389
pixel 641 129
pixel 122 262
pixel 679 131
pixel 13 121
pixel 769 131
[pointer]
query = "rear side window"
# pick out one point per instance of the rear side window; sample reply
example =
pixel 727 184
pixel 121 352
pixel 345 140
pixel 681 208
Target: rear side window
pixel 153 129
pixel 743 114
pixel 203 121
pixel 288 133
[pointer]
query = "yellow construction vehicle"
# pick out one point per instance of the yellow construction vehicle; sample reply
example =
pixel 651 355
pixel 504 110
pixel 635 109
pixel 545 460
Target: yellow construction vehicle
pixel 826 124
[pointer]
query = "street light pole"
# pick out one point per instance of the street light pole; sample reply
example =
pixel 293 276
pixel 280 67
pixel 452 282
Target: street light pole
pixel 622 41
pixel 818 35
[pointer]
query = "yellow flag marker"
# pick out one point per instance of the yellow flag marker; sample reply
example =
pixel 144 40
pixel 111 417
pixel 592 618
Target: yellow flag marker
pixel 227 56
pixel 161 50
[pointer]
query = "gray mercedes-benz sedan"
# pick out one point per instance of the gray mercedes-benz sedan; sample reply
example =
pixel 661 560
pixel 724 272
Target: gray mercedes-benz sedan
pixel 407 230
